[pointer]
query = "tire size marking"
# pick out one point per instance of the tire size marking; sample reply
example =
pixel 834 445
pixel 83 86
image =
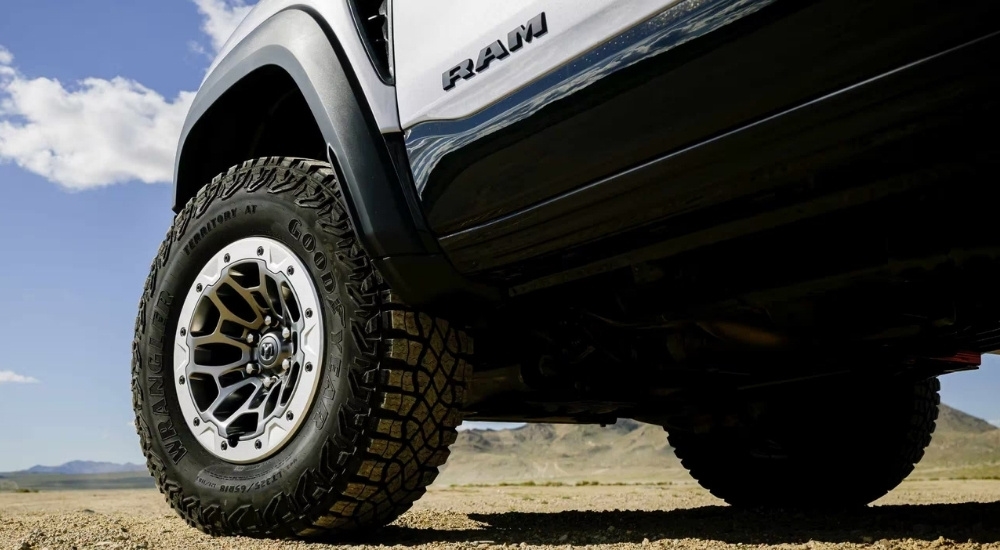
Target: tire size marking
pixel 255 486
pixel 212 224
pixel 154 366
pixel 212 479
pixel 202 481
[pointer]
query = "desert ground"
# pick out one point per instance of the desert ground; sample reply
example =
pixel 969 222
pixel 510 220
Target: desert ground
pixel 949 515
pixel 558 486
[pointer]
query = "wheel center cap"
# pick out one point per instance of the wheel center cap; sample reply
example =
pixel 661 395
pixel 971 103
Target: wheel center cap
pixel 267 352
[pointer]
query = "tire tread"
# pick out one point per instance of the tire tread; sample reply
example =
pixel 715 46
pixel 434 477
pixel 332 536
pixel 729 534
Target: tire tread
pixel 408 382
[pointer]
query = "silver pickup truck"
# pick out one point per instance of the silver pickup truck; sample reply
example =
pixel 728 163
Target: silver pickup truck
pixel 765 225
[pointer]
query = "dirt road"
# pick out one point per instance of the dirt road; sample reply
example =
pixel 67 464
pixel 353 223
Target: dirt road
pixel 948 515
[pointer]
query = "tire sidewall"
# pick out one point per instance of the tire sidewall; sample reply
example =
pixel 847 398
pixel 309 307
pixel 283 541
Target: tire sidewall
pixel 842 445
pixel 210 227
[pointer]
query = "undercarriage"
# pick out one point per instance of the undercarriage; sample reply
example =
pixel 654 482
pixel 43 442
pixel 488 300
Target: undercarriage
pixel 903 287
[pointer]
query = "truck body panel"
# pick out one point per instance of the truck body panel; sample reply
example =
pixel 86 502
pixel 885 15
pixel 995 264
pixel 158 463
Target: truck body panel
pixel 432 37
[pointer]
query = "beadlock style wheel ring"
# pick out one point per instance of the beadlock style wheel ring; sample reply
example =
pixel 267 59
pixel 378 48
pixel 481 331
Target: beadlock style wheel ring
pixel 248 350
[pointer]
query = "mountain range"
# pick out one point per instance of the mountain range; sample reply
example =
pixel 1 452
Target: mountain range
pixel 85 467
pixel 628 451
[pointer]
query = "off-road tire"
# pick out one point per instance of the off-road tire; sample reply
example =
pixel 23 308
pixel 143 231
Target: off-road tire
pixel 827 448
pixel 393 380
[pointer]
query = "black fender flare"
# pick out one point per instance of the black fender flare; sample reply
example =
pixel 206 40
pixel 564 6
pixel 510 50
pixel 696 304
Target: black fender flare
pixel 378 190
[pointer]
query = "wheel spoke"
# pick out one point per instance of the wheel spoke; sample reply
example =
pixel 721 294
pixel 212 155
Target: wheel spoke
pixel 247 296
pixel 218 370
pixel 220 338
pixel 227 314
pixel 263 276
pixel 286 315
pixel 266 293
pixel 245 408
pixel 228 391
pixel 224 426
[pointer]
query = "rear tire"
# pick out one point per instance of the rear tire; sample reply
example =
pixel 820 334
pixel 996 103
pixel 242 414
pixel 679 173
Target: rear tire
pixel 829 447
pixel 391 379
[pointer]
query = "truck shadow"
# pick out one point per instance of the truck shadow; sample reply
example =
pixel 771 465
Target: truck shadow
pixel 967 522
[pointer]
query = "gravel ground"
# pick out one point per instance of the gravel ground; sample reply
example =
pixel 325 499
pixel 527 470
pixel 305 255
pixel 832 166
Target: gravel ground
pixel 948 515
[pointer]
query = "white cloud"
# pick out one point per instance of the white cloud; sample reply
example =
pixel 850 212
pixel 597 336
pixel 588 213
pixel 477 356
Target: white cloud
pixel 98 132
pixel 221 17
pixel 94 133
pixel 10 377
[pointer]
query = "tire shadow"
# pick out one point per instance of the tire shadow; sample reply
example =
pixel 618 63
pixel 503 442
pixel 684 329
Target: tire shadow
pixel 966 522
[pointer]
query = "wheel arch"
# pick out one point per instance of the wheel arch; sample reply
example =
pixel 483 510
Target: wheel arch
pixel 244 123
pixel 293 66
pixel 290 62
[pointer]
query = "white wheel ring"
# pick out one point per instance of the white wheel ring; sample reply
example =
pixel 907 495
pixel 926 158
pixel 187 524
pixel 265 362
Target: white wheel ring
pixel 279 431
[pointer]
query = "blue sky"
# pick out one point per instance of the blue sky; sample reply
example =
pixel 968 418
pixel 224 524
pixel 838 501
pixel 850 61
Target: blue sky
pixel 92 93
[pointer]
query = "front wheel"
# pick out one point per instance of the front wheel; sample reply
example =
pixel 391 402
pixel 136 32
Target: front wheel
pixel 831 446
pixel 280 387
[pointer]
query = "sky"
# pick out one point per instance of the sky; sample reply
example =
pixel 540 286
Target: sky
pixel 92 97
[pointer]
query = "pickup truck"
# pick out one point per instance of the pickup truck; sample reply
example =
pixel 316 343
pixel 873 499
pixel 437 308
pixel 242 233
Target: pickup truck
pixel 765 225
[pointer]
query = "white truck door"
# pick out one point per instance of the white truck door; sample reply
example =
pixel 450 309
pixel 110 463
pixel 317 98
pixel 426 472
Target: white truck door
pixel 454 58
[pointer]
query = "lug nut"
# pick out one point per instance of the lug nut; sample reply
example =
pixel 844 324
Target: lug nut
pixel 268 320
pixel 286 333
pixel 250 338
pixel 290 417
pixel 269 381
pixel 286 364
pixel 252 369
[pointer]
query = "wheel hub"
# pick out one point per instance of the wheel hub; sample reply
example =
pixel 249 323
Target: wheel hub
pixel 271 351
pixel 248 350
